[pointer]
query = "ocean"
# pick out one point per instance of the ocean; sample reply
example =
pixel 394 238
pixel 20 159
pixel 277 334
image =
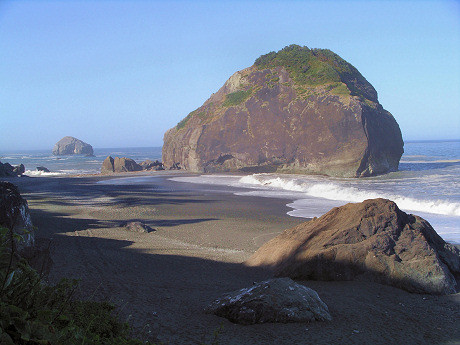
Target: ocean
pixel 77 164
pixel 427 183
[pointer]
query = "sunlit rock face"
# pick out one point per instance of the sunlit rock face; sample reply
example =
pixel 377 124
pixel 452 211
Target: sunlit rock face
pixel 298 110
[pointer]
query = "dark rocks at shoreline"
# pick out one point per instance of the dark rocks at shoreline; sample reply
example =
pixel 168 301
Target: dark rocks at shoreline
pixel 278 300
pixel 43 169
pixel 152 165
pixel 117 165
pixel 15 215
pixel 7 170
pixel 369 241
pixel 71 146
pixel 298 110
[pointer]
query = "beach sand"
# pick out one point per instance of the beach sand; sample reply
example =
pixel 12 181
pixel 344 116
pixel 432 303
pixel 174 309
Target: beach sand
pixel 162 280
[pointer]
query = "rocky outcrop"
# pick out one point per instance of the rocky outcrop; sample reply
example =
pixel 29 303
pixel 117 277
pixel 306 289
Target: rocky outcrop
pixel 71 146
pixel 15 215
pixel 111 165
pixel 43 169
pixel 298 110
pixel 275 300
pixel 152 165
pixel 372 241
pixel 7 170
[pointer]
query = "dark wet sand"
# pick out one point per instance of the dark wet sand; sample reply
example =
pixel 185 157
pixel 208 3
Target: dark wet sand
pixel 162 280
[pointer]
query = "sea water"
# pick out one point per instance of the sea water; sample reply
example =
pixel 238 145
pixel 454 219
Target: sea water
pixel 427 184
pixel 75 164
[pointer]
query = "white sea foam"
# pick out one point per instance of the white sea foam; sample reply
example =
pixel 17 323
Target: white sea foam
pixel 42 173
pixel 340 192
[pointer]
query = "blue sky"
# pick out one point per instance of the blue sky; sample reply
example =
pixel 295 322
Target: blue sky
pixel 120 73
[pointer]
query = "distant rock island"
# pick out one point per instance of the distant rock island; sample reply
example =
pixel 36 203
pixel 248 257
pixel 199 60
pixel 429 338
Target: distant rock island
pixel 71 146
pixel 298 110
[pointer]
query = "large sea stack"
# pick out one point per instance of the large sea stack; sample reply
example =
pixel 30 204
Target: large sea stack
pixel 70 146
pixel 298 110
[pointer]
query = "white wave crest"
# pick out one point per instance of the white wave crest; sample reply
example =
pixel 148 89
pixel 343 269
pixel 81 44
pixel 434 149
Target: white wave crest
pixel 42 173
pixel 337 191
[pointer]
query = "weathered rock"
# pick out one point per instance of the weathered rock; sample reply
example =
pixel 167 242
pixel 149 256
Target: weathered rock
pixel 152 165
pixel 298 110
pixel 15 215
pixel 19 169
pixel 7 170
pixel 70 146
pixel 43 169
pixel 136 226
pixel 371 241
pixel 111 165
pixel 275 300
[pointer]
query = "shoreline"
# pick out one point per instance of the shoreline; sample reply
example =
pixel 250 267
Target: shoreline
pixel 162 280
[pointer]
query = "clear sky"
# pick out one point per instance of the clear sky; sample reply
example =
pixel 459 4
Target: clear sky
pixel 120 73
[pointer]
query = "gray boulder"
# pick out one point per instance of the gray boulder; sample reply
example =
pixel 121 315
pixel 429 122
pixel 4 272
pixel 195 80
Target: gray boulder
pixel 70 146
pixel 276 300
pixel 372 241
pixel 136 226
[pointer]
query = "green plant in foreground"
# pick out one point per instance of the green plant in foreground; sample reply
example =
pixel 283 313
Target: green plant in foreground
pixel 32 312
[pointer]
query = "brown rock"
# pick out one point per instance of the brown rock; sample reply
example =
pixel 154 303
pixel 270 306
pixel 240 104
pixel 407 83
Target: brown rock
pixel 372 241
pixel 283 114
pixel 110 165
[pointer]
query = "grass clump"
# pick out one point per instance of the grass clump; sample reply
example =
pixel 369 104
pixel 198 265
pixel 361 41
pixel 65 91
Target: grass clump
pixel 237 97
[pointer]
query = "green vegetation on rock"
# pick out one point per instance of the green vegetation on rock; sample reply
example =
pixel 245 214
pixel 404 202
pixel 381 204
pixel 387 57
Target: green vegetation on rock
pixel 236 97
pixel 314 67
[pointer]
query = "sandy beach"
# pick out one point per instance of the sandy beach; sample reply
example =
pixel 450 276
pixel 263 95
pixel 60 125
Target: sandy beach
pixel 162 280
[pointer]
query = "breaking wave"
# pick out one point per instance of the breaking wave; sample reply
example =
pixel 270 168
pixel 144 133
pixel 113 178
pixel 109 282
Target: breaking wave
pixel 337 191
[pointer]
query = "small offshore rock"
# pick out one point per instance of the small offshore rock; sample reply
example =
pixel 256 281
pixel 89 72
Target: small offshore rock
pixel 276 300
pixel 43 169
pixel 70 145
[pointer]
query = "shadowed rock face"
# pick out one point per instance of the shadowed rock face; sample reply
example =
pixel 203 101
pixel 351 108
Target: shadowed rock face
pixel 372 241
pixel 15 216
pixel 298 111
pixel 70 146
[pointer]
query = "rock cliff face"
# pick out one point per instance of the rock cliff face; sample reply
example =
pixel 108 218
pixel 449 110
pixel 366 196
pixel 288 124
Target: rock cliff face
pixel 70 146
pixel 298 110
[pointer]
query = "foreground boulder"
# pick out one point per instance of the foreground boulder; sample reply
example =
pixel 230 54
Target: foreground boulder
pixel 299 110
pixel 71 146
pixel 371 241
pixel 275 300
pixel 111 165
pixel 15 215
